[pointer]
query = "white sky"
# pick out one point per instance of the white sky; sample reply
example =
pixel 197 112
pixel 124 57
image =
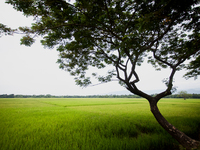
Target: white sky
pixel 33 70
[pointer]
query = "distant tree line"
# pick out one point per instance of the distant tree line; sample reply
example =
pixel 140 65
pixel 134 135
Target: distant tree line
pixel 67 96
pixel 184 96
pixel 179 95
pixel 7 96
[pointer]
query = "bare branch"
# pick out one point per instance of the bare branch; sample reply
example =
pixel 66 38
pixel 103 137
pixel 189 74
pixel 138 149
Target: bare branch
pixel 169 86
pixel 159 59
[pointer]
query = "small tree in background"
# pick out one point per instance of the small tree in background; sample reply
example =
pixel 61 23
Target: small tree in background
pixel 183 94
pixel 121 34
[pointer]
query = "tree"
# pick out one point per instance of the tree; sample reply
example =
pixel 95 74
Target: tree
pixel 122 34
pixel 183 94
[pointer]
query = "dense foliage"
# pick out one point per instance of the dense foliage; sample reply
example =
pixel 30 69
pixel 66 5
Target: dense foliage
pixel 119 33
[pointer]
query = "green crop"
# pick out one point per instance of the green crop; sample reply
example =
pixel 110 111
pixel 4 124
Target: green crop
pixel 93 124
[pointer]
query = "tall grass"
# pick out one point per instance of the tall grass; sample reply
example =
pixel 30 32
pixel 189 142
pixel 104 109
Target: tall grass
pixel 93 124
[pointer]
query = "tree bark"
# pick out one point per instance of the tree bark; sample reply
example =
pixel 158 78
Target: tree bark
pixel 183 139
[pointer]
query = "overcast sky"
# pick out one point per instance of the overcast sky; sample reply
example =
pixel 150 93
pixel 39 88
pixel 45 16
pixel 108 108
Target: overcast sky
pixel 33 70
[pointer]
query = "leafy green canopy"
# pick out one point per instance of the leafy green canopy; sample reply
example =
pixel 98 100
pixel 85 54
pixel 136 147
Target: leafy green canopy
pixel 120 33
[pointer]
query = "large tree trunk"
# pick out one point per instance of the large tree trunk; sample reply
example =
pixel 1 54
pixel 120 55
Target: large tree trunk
pixel 183 139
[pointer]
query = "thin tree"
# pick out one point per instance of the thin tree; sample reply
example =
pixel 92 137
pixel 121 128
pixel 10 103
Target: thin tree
pixel 121 34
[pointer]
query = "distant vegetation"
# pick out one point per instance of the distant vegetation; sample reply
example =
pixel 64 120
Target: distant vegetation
pixel 180 95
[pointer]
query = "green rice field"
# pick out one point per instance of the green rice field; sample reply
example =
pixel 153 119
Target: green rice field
pixel 93 123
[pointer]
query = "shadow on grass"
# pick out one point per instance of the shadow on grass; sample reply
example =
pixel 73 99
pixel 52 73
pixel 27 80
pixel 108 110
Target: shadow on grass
pixel 189 125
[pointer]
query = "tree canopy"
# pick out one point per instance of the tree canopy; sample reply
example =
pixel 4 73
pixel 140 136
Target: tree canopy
pixel 119 33
pixel 122 34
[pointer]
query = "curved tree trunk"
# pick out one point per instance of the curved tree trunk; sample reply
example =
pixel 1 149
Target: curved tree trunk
pixel 183 139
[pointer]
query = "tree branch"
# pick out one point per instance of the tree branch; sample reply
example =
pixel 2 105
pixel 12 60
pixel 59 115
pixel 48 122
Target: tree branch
pixel 169 86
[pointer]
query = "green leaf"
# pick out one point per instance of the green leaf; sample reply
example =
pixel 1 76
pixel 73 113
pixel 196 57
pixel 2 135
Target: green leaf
pixel 27 41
